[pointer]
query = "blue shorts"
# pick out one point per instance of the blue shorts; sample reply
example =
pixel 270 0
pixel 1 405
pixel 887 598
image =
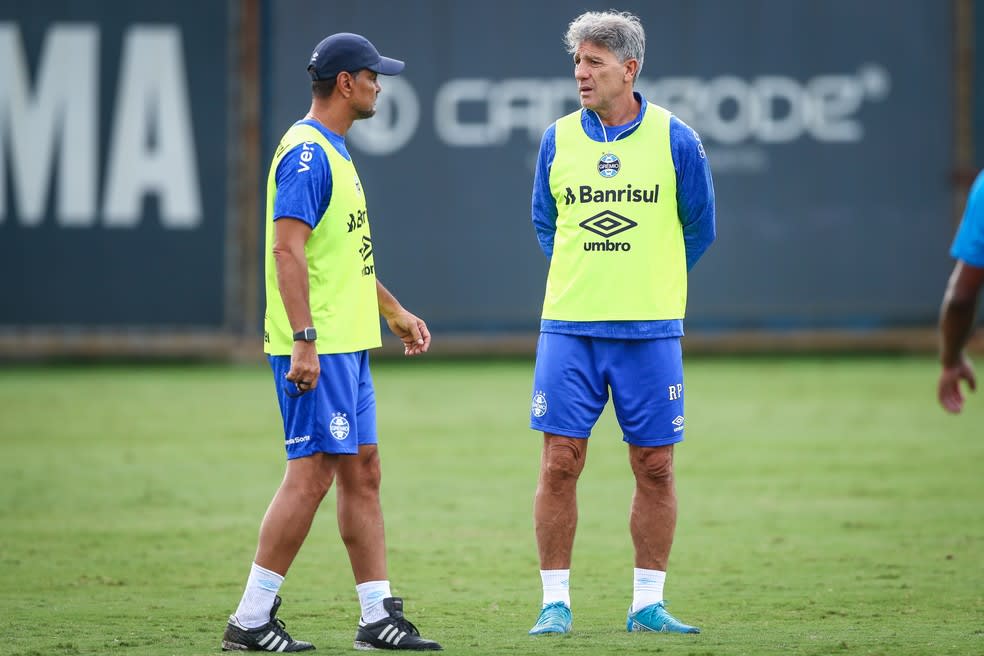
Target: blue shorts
pixel 338 416
pixel 573 375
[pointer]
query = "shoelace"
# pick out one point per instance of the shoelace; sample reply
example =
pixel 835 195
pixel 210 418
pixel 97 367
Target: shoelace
pixel 404 624
pixel 281 630
pixel 665 615
pixel 552 618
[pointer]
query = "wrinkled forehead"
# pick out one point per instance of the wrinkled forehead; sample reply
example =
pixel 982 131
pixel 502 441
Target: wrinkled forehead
pixel 594 49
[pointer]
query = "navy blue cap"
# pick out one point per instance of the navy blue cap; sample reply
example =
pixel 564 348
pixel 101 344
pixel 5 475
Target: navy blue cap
pixel 349 52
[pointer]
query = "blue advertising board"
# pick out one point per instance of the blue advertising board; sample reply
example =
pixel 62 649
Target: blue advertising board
pixel 113 163
pixel 828 129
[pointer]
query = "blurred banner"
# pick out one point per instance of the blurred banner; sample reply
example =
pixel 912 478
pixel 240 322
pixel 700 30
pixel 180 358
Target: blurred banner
pixel 829 127
pixel 135 138
pixel 113 163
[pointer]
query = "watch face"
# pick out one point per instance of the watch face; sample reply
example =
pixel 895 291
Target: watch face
pixel 307 335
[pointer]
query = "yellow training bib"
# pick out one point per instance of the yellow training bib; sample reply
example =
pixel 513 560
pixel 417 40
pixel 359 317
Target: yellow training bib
pixel 341 268
pixel 618 250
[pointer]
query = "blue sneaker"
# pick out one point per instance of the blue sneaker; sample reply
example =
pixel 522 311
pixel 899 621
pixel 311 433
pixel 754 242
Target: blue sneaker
pixel 656 618
pixel 554 618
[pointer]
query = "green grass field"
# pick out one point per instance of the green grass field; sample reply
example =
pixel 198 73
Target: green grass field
pixel 828 506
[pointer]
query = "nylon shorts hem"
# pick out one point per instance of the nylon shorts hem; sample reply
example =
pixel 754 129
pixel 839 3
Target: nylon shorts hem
pixel 294 454
pixel 314 451
pixel 657 441
pixel 563 432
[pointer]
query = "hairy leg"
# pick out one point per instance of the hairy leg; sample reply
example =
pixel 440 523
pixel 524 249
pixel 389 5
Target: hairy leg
pixel 289 516
pixel 654 505
pixel 555 504
pixel 360 516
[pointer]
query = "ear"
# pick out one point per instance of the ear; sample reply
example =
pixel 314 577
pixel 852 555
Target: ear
pixel 345 83
pixel 631 66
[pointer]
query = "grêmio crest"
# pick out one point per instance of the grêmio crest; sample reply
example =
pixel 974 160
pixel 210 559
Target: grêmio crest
pixel 609 165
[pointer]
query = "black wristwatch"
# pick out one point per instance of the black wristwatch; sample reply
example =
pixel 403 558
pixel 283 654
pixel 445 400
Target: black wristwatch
pixel 307 335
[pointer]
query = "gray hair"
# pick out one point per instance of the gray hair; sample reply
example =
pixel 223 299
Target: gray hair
pixel 619 31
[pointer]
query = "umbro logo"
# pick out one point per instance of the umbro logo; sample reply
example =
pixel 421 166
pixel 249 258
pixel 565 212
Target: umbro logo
pixel 366 253
pixel 608 224
pixel 366 250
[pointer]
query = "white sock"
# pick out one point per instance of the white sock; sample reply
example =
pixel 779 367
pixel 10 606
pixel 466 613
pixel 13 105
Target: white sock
pixel 647 587
pixel 371 595
pixel 261 587
pixel 556 586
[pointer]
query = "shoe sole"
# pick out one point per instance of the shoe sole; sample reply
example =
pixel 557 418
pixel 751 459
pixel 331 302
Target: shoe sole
pixel 236 646
pixel 368 646
pixel 641 628
pixel 233 646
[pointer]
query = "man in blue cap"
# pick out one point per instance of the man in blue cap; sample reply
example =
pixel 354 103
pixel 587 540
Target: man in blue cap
pixel 322 316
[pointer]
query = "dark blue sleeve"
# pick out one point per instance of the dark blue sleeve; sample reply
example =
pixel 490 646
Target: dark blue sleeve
pixel 695 190
pixel 544 205
pixel 303 184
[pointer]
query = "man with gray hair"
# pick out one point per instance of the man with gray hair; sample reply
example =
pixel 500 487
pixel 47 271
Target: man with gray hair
pixel 623 206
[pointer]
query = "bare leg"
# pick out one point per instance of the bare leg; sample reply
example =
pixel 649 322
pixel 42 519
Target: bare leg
pixel 288 519
pixel 360 516
pixel 654 506
pixel 555 504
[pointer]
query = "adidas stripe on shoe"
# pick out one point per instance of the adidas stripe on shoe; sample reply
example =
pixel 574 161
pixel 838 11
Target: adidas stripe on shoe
pixel 272 636
pixel 392 632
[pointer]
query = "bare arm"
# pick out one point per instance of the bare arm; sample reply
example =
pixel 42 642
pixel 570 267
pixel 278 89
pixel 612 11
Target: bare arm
pixel 290 236
pixel 956 325
pixel 411 329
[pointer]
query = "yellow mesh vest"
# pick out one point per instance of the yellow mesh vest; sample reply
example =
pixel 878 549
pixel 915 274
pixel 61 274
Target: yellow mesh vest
pixel 341 269
pixel 618 250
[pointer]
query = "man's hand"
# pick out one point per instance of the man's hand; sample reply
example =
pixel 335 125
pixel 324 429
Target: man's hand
pixel 948 390
pixel 411 330
pixel 304 366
